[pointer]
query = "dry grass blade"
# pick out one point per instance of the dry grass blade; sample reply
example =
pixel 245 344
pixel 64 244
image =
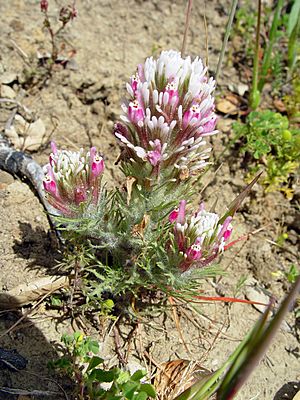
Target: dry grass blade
pixel 174 377
pixel 177 323
pixel 23 392
pixel 186 27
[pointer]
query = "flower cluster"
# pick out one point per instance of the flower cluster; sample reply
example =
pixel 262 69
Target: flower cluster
pixel 66 14
pixel 44 5
pixel 199 238
pixel 169 111
pixel 72 178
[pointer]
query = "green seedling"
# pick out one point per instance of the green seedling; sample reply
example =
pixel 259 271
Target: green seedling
pixel 273 144
pixel 82 364
pixel 292 274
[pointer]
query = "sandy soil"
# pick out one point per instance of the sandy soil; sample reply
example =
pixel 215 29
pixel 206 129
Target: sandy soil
pixel 78 108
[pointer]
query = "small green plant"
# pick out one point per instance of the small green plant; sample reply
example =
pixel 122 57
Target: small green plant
pixel 39 67
pixel 292 274
pixel 239 285
pixel 65 16
pixel 292 101
pixel 82 364
pixel 282 237
pixel 272 143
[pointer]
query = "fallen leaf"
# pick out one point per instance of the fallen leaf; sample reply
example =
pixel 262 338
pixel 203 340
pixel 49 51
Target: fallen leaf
pixel 174 377
pixel 129 183
pixel 233 99
pixel 229 105
pixel 27 293
pixel 35 135
pixel 138 229
pixel 279 105
pixel 240 88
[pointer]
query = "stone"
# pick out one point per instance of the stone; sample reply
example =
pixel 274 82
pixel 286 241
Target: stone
pixel 256 294
pixel 8 77
pixel 7 92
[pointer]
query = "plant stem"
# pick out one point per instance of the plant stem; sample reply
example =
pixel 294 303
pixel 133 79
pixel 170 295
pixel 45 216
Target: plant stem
pixel 186 28
pixel 267 55
pixel 47 24
pixel 226 37
pixel 292 45
pixel 254 90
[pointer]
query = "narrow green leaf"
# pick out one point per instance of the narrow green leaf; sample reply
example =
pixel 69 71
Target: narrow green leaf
pixel 234 206
pixel 206 386
pixel 256 346
pixel 268 50
pixel 293 17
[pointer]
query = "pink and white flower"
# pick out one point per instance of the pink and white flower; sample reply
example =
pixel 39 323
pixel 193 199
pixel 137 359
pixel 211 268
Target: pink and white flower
pixel 199 237
pixel 72 179
pixel 135 112
pixel 171 104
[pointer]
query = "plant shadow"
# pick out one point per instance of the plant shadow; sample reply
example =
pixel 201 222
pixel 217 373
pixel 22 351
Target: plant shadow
pixel 39 247
pixel 24 354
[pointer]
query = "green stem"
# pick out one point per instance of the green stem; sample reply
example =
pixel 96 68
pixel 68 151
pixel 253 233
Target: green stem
pixel 255 95
pixel 292 45
pixel 267 56
pixel 255 347
pixel 226 37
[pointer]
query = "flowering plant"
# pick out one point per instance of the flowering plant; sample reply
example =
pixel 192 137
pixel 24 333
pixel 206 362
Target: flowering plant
pixel 169 111
pixel 65 16
pixel 137 240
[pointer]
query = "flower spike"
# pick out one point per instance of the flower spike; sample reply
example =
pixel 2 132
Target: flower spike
pixel 200 237
pixel 72 179
pixel 169 111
